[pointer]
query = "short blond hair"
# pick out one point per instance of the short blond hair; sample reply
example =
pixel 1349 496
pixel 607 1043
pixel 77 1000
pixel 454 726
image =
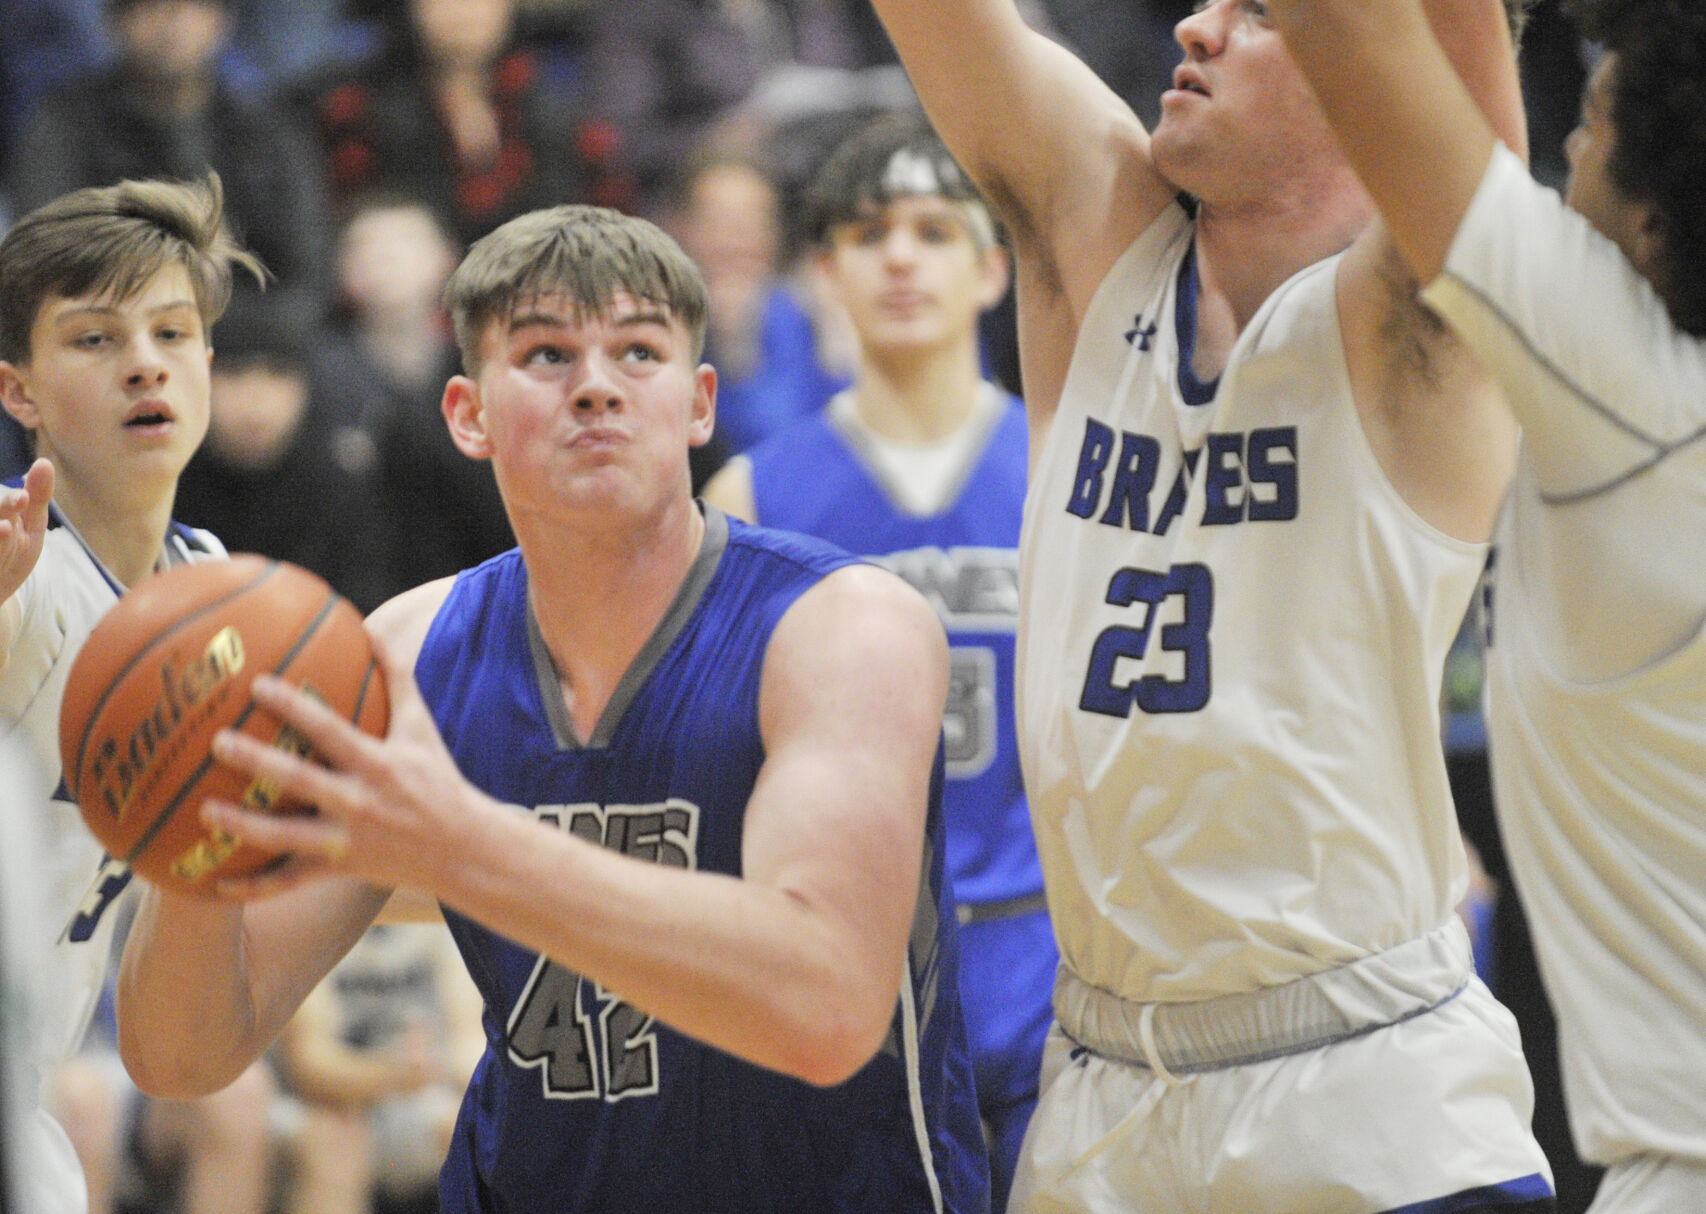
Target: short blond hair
pixel 586 254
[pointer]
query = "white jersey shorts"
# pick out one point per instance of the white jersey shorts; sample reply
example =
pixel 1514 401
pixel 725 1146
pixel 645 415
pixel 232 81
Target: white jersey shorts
pixel 1428 1115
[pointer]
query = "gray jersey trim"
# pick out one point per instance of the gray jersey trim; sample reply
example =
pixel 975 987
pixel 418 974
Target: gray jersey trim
pixel 687 598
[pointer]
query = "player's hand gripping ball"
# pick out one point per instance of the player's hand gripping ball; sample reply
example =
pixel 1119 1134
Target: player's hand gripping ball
pixel 166 669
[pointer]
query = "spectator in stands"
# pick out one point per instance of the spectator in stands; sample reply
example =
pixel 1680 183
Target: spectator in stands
pixel 207 1156
pixel 290 467
pixel 161 110
pixel 666 72
pixel 393 341
pixel 376 1060
pixel 454 112
pixel 761 338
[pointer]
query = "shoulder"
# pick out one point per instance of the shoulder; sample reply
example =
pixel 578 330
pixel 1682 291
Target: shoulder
pixel 402 623
pixel 783 549
pixel 860 627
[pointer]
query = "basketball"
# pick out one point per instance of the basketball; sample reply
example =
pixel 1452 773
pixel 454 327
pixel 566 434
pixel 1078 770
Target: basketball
pixel 167 668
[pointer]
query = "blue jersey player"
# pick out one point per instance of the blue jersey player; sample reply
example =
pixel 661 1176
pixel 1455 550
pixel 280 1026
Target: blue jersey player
pixel 920 465
pixel 674 780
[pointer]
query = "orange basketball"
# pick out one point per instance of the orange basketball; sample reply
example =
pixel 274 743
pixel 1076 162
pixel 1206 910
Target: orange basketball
pixel 167 668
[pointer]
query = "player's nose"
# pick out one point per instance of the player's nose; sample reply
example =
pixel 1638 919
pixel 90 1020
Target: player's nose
pixel 147 365
pixel 598 386
pixel 1203 33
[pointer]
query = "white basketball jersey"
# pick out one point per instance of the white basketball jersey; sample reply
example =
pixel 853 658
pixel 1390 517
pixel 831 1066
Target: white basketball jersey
pixel 1600 783
pixel 1231 643
pixel 64 597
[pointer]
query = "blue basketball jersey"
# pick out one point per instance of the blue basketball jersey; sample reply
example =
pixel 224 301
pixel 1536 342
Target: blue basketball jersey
pixel 583 1102
pixel 814 477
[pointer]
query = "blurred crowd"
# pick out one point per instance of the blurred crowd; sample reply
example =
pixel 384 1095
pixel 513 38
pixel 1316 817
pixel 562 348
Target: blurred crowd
pixel 362 146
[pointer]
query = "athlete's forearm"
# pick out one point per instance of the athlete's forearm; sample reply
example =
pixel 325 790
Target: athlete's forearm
pixel 756 970
pixel 205 987
pixel 186 1024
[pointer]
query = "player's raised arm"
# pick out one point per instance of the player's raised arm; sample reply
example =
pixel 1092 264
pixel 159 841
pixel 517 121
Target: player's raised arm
pixel 1417 91
pixel 1058 155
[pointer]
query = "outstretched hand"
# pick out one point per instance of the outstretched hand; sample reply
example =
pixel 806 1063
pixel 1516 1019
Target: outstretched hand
pixel 23 526
pixel 384 804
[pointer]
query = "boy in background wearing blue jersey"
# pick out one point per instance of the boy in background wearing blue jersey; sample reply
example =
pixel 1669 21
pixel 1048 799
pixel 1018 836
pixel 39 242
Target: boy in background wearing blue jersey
pixel 1590 311
pixel 920 465
pixel 675 781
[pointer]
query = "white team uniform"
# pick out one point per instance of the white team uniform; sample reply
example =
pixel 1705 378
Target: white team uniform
pixel 1598 749
pixel 63 598
pixel 1230 733
pixel 33 1148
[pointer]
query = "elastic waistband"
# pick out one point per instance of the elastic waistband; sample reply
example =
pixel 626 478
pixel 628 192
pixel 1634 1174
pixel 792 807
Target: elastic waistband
pixel 1347 1001
pixel 1003 908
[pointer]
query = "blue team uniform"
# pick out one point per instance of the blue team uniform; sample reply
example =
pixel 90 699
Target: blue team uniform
pixel 813 477
pixel 582 1102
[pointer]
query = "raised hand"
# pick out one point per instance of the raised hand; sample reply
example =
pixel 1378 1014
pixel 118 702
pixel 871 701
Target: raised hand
pixel 23 526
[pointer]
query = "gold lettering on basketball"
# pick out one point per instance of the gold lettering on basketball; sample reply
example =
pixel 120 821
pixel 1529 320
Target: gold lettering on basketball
pixel 208 854
pixel 122 770
pixel 217 846
pixel 262 793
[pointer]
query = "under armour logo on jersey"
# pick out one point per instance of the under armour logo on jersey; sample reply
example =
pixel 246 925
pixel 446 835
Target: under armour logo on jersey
pixel 1139 334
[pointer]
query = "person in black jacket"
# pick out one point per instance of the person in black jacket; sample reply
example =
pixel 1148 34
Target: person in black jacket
pixel 161 110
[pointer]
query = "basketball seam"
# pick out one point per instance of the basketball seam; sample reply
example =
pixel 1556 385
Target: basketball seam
pixel 74 778
pixel 366 686
pixel 170 809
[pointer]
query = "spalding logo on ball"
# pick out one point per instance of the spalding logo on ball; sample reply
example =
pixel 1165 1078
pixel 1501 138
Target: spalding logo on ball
pixel 166 669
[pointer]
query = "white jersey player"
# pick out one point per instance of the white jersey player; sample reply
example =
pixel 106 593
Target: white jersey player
pixel 1262 486
pixel 106 297
pixel 1592 316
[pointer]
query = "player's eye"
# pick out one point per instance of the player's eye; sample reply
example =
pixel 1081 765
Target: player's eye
pixel 544 354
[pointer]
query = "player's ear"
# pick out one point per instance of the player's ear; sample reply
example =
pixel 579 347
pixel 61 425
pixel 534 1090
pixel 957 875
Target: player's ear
pixel 703 418
pixel 465 414
pixel 15 396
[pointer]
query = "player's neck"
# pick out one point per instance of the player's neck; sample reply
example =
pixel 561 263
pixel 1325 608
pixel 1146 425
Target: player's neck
pixel 918 399
pixel 126 537
pixel 1246 249
pixel 1244 255
pixel 599 595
